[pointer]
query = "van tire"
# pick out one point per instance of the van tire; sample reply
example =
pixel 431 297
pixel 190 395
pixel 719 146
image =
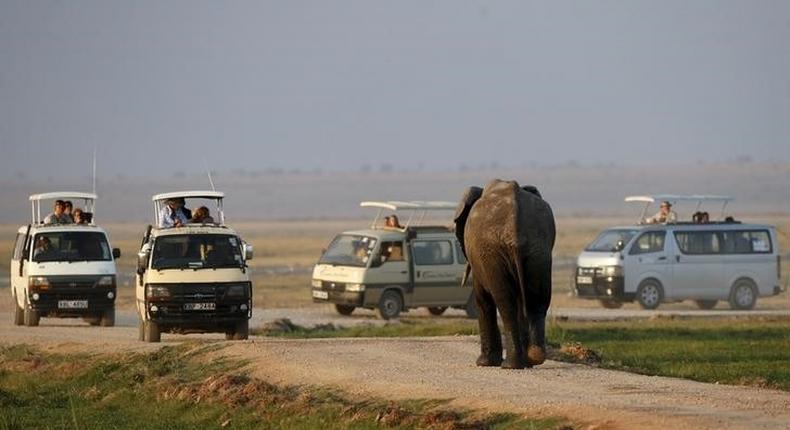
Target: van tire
pixel 743 295
pixel 650 294
pixel 19 314
pixel 390 305
pixel 471 307
pixel 438 310
pixel 107 318
pixel 344 310
pixel 31 317
pixel 241 332
pixel 611 303
pixel 151 332
pixel 706 304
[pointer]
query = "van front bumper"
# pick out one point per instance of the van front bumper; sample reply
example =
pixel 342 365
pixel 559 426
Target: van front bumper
pixel 610 287
pixel 350 298
pixel 72 302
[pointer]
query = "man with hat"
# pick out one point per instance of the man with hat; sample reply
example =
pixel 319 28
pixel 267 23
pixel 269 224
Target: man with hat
pixel 172 214
pixel 664 216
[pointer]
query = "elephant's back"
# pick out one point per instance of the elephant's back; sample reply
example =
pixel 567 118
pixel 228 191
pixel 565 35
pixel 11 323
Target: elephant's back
pixel 492 220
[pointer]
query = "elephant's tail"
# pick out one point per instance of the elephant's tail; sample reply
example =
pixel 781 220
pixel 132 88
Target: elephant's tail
pixel 467 271
pixel 522 283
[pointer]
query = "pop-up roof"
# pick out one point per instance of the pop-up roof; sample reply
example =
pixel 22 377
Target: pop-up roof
pixel 418 208
pixel 89 202
pixel 675 198
pixel 161 199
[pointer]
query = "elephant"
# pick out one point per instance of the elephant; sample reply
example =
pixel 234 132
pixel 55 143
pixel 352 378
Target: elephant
pixel 507 234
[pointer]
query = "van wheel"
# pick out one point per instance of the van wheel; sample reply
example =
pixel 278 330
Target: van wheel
pixel 19 314
pixel 344 309
pixel 108 318
pixel 390 305
pixel 743 295
pixel 706 304
pixel 241 332
pixel 31 317
pixel 650 294
pixel 151 332
pixel 437 310
pixel 471 307
pixel 611 303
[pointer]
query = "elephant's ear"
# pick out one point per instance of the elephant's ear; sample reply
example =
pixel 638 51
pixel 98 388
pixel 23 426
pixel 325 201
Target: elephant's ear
pixel 471 195
pixel 532 189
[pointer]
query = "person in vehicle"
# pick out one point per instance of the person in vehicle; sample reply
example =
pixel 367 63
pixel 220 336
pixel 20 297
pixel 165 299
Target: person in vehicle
pixel 394 222
pixel 392 252
pixel 172 215
pixel 43 248
pixel 187 212
pixel 68 208
pixel 202 216
pixel 58 215
pixel 78 216
pixel 665 215
pixel 387 222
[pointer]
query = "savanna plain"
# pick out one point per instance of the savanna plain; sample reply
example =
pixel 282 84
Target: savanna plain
pixel 89 378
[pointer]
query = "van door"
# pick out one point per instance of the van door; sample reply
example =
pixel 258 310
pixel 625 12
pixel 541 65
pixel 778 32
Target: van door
pixel 437 278
pixel 18 277
pixel 647 258
pixel 697 270
pixel 393 270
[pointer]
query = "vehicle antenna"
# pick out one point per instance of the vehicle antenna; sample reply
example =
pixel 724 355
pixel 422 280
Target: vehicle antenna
pixel 208 172
pixel 94 169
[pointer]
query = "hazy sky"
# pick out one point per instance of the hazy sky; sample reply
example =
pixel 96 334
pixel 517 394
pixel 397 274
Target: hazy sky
pixel 336 85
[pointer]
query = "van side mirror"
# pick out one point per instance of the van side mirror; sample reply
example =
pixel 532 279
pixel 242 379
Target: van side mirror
pixel 142 261
pixel 248 254
pixel 116 253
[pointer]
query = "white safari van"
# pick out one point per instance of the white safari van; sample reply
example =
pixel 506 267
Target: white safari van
pixel 63 270
pixel 395 268
pixel 722 260
pixel 193 278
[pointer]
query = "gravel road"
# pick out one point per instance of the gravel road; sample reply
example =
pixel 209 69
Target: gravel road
pixel 443 368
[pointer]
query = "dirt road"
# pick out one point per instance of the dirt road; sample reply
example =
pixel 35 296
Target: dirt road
pixel 443 368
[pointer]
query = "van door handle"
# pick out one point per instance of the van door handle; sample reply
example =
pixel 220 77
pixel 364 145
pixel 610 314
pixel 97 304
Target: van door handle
pixel 677 258
pixel 662 258
pixel 403 272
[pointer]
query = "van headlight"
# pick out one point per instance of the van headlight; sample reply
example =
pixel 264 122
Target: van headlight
pixel 317 283
pixel 612 271
pixel 157 292
pixel 355 287
pixel 39 283
pixel 106 281
pixel 239 290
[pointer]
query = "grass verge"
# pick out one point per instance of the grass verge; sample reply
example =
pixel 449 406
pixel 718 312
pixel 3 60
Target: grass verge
pixel 186 387
pixel 733 351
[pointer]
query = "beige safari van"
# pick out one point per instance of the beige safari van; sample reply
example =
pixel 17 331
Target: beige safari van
pixel 395 268
pixel 192 277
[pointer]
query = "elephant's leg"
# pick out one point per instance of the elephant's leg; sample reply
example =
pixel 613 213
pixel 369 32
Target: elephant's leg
pixel 507 301
pixel 490 339
pixel 538 296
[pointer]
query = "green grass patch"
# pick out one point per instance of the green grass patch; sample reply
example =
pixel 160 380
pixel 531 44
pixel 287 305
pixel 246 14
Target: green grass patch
pixel 187 386
pixel 732 351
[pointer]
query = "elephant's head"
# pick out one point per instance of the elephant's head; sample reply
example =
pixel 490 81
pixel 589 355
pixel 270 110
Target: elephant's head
pixel 471 195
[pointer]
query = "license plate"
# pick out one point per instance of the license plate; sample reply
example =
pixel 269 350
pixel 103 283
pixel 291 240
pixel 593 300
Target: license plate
pixel 200 306
pixel 584 279
pixel 72 304
pixel 321 295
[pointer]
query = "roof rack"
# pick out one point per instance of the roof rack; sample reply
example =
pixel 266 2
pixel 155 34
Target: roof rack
pixel 89 200
pixel 161 199
pixel 674 198
pixel 417 207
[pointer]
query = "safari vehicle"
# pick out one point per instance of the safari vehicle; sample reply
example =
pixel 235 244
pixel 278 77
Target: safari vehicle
pixel 63 270
pixel 193 278
pixel 394 269
pixel 705 262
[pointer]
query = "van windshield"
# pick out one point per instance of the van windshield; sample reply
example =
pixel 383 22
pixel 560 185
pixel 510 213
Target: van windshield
pixel 196 251
pixel 71 246
pixel 607 241
pixel 349 250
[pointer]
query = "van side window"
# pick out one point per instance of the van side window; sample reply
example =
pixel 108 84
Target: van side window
pixel 392 251
pixel 19 246
pixel 652 241
pixel 460 253
pixel 431 253
pixel 746 242
pixel 698 242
